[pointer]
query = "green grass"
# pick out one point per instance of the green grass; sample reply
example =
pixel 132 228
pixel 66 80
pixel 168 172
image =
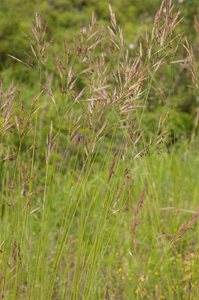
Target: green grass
pixel 75 246
pixel 94 219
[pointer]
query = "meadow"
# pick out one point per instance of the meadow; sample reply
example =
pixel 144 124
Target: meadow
pixel 99 191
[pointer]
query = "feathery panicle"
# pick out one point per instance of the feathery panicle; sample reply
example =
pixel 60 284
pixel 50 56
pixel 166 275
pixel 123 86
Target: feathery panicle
pixel 39 20
pixel 80 95
pixel 139 137
pixel 114 212
pixel 34 31
pixel 118 193
pixel 159 151
pixel 196 26
pixel 113 20
pixel 160 123
pixel 50 43
pixel 135 221
pixel 111 170
pixel 167 115
pixel 15 58
pixel 27 204
pixel 141 152
pixel 184 228
pixel 70 76
pixel 151 139
pixel 49 92
pixel 160 140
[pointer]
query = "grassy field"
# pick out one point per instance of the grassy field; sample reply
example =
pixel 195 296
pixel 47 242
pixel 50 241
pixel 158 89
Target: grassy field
pixel 92 207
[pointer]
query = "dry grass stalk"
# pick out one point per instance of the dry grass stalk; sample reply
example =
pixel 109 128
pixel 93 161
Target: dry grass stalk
pixel 8 113
pixel 139 137
pixel 151 139
pixel 15 58
pixel 77 138
pixel 10 190
pixel 49 92
pixel 7 129
pixel 27 204
pixel 39 20
pixel 175 246
pixel 107 293
pixel 196 26
pixel 32 146
pixel 27 55
pixel 50 43
pixel 9 205
pixel 28 37
pixel 33 51
pixel 70 76
pixel 59 65
pixel 135 221
pixel 93 35
pixel 189 288
pixel 116 202
pixel 118 193
pixel 121 37
pixel 1 245
pixel 130 137
pixel 1 88
pixel 166 208
pixel 184 228
pixel 24 171
pixel 36 191
pixel 160 140
pixel 111 170
pixel 9 157
pixel 34 210
pixel 160 123
pixel 167 115
pixel 141 152
pixel 113 20
pixel 80 95
pixel 114 212
pixel 14 254
pixel 34 31
pixel 39 32
pixel 50 143
pixel 164 235
pixel 159 151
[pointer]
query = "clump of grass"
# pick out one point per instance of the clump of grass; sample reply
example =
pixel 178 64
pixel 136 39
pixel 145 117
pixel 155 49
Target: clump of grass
pixel 71 206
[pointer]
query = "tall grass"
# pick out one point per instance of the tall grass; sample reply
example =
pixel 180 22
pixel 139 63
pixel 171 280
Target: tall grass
pixel 89 209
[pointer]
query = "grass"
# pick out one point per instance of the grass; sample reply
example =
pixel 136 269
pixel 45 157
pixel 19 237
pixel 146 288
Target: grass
pixel 101 243
pixel 89 208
